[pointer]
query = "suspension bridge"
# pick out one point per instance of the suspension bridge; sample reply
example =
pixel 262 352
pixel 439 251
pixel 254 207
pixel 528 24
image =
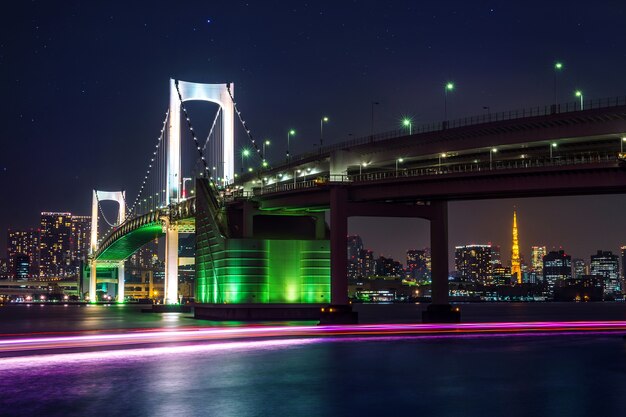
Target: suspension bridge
pixel 262 237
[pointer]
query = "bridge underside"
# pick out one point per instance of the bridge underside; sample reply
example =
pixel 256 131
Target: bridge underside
pixel 127 244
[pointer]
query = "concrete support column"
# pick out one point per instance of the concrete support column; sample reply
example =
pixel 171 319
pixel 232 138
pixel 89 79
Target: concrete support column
pixel 320 226
pixel 248 219
pixel 338 246
pixel 439 252
pixel 170 288
pixel 120 282
pixel 92 282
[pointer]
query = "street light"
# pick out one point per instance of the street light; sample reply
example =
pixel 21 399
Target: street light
pixel 493 150
pixel 290 133
pixel 244 154
pixel 621 143
pixel 407 122
pixel 266 142
pixel 295 176
pixel 558 66
pixel 448 87
pixel 362 165
pixel 441 155
pixel 322 121
pixel 399 160
pixel 580 94
pixel 552 145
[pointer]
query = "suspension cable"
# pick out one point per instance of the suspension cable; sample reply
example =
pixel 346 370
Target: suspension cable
pixel 219 109
pixel 243 123
pixel 102 213
pixel 152 160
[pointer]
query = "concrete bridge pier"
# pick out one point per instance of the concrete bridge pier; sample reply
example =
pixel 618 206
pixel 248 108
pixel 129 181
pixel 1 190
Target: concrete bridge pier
pixel 340 310
pixel 338 247
pixel 92 282
pixel 440 310
pixel 120 282
pixel 170 287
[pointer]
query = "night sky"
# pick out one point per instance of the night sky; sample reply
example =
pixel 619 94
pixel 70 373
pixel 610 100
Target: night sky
pixel 84 89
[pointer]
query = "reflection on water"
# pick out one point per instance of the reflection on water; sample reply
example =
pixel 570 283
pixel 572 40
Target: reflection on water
pixel 513 376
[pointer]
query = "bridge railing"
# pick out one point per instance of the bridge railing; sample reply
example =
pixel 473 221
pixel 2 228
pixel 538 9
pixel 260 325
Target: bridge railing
pixel 460 168
pixel 487 117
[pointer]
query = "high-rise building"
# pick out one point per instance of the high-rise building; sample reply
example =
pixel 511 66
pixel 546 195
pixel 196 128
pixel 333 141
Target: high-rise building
pixel 536 259
pixel 4 268
pixel 473 263
pixel 23 243
pixel 22 267
pixel 516 263
pixel 355 245
pixel 496 258
pixel 387 267
pixel 557 266
pixel 606 265
pixel 623 254
pixel 417 261
pixel 366 263
pixel 80 240
pixel 55 245
pixel 579 268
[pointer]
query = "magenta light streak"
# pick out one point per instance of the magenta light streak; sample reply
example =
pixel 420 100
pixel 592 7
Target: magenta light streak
pixel 144 353
pixel 215 334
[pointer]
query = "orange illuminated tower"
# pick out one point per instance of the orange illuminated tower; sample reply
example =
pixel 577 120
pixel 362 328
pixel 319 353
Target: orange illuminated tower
pixel 516 268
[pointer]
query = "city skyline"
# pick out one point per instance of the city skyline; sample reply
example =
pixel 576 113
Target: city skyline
pixel 106 117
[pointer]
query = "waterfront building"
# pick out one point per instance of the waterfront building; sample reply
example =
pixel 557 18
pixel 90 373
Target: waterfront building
pixel 579 268
pixel 557 266
pixel 355 245
pixel 366 263
pixel 496 258
pixel 23 243
pixel 516 263
pixel 417 261
pixel 55 245
pixel 79 242
pixel 623 254
pixel 388 267
pixel 4 268
pixel 500 275
pixel 583 288
pixel 606 265
pixel 473 263
pixel 536 259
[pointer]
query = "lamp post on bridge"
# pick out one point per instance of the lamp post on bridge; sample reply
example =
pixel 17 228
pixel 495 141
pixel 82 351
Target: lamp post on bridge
pixel 552 145
pixel 491 152
pixel 621 144
pixel 558 66
pixel 244 154
pixel 398 160
pixel 441 155
pixel 579 93
pixel 266 142
pixel 295 176
pixel 362 165
pixel 290 133
pixel 322 121
pixel 448 87
pixel 407 122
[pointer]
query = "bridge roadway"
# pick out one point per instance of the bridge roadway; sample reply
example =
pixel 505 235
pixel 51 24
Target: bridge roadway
pixel 416 175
